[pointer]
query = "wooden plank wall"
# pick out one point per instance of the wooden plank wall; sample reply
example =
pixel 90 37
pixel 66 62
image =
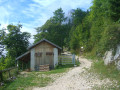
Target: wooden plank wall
pixel 44 59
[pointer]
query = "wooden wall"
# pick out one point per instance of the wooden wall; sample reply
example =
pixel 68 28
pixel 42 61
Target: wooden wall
pixel 44 54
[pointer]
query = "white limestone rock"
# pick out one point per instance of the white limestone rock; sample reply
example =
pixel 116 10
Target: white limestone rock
pixel 118 65
pixel 117 55
pixel 108 58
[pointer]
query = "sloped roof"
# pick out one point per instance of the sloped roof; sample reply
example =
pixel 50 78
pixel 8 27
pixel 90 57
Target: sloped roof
pixel 46 41
pixel 26 53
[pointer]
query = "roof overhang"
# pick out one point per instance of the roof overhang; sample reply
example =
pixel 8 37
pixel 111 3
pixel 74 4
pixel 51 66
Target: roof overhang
pixel 24 57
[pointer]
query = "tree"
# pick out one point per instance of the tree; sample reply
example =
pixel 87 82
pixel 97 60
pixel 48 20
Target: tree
pixel 114 9
pixel 59 16
pixel 78 16
pixel 2 47
pixel 52 32
pixel 53 29
pixel 79 32
pixel 99 18
pixel 16 42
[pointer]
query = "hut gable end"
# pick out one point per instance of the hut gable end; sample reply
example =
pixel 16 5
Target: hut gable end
pixel 44 46
pixel 42 41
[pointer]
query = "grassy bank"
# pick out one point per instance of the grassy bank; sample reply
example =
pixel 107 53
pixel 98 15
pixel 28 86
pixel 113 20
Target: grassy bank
pixel 35 79
pixel 110 71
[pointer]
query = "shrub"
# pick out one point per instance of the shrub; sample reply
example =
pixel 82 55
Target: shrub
pixel 110 38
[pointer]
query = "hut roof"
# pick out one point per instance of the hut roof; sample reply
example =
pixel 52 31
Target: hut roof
pixel 46 41
pixel 23 56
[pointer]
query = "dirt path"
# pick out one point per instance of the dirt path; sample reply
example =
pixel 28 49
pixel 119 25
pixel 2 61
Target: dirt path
pixel 75 79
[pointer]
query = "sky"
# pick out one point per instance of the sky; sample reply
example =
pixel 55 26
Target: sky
pixel 34 13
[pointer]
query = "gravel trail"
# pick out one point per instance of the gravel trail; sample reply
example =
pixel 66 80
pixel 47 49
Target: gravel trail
pixel 76 79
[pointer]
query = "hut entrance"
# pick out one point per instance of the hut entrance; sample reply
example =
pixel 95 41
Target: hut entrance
pixel 44 57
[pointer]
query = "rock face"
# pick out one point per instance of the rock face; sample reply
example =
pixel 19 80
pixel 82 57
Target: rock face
pixel 117 55
pixel 108 58
pixel 118 65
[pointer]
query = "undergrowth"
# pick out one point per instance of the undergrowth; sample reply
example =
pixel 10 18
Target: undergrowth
pixel 104 71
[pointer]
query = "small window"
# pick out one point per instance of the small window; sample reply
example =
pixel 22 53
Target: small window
pixel 38 54
pixel 49 53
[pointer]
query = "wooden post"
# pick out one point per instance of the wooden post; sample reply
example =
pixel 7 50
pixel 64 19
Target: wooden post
pixel 22 65
pixel 73 59
pixel 17 65
pixel 26 65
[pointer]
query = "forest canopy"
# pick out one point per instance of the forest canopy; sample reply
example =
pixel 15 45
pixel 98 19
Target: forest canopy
pixel 96 30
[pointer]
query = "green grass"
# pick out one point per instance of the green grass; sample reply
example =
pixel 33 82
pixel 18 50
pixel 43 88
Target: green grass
pixel 38 79
pixel 105 71
pixel 31 79
pixel 77 63
pixel 62 68
pixel 59 69
pixel 109 71
pixel 13 72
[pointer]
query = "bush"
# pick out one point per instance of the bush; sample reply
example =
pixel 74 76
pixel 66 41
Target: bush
pixel 2 64
pixel 110 38
pixel 9 62
pixel 6 62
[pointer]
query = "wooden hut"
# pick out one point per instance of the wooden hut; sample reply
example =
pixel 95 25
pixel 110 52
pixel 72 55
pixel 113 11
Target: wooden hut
pixel 42 53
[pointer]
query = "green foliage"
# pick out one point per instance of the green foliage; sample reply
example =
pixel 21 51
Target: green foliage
pixel 31 79
pixel 59 16
pixel 6 77
pixel 78 16
pixel 6 62
pixel 2 63
pixel 53 29
pixel 104 33
pixel 110 38
pixel 16 41
pixel 79 32
pixel 38 79
pixel 9 62
pixel 109 71
pixel 97 18
pixel 2 47
pixel 114 9
pixel 104 71
pixel 96 30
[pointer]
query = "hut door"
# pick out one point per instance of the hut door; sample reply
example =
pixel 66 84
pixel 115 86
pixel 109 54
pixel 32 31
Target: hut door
pixel 43 57
pixel 46 57
pixel 49 56
pixel 38 58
